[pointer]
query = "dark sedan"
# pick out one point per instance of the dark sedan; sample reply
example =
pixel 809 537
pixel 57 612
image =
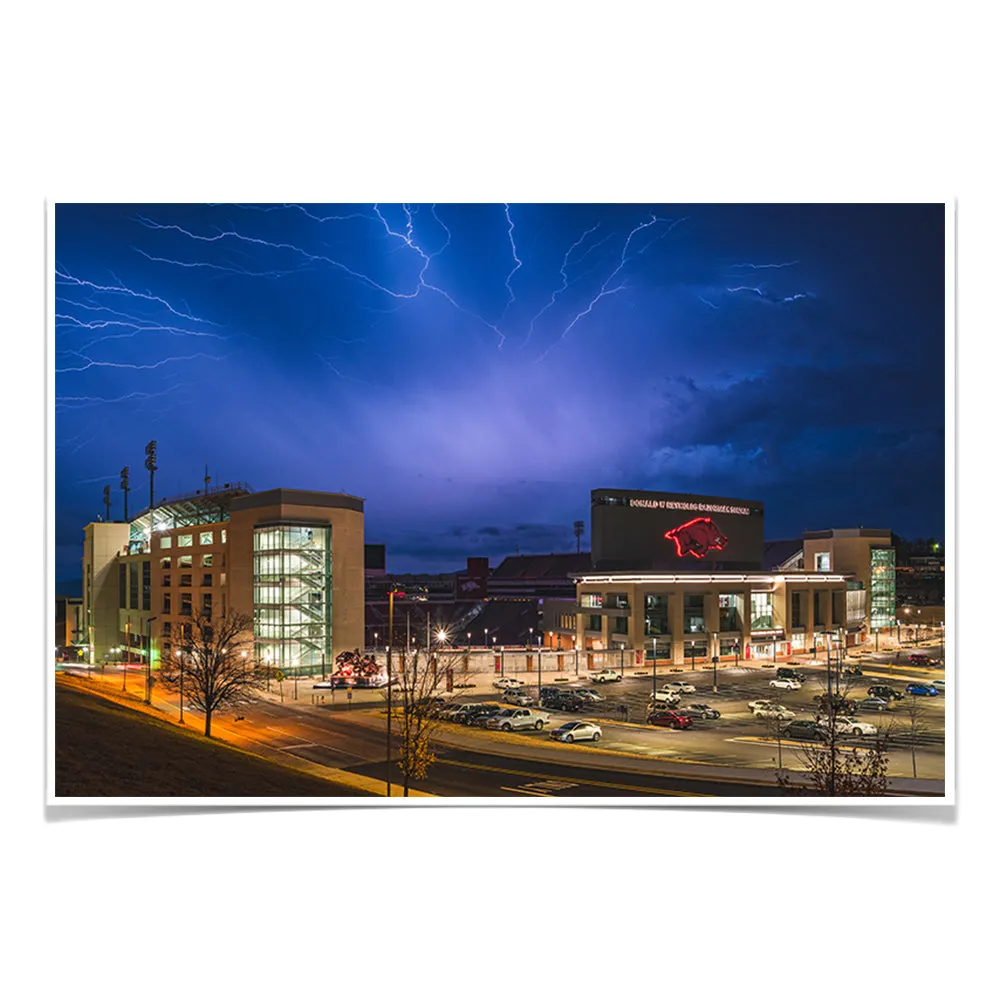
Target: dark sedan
pixel 803 730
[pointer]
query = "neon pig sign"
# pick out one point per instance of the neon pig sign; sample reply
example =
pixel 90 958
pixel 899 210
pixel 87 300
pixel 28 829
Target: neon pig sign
pixel 697 537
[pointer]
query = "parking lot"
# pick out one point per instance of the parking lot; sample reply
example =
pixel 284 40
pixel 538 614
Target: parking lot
pixel 737 737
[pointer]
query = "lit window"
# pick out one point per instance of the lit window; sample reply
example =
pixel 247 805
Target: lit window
pixel 185 541
pixel 185 562
pixel 165 563
pixel 822 562
pixel 206 559
pixel 205 538
pixel 223 536
pixel 165 542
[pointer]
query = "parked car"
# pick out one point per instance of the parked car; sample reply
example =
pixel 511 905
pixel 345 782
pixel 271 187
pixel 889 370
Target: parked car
pixel 923 660
pixel 466 713
pixel 588 694
pixel 665 698
pixel 787 683
pixel 571 732
pixel 851 725
pixel 885 691
pixel 837 703
pixel 803 729
pixel 452 712
pixel 518 718
pixel 773 712
pixel 480 714
pixel 922 689
pixel 852 670
pixel 759 703
pixel 679 687
pixel 699 711
pixel 606 676
pixel 514 697
pixel 874 705
pixel 795 675
pixel 562 701
pixel 674 720
pixel 506 683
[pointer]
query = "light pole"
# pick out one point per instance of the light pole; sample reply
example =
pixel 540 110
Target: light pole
pixel 621 647
pixel 149 657
pixel 715 662
pixel 539 668
pixel 501 661
pixel 576 657
pixel 654 665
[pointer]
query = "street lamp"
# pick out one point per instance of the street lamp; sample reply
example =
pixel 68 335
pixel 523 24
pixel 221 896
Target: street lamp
pixel 180 659
pixel 654 666
pixel 539 667
pixel 576 656
pixel 149 657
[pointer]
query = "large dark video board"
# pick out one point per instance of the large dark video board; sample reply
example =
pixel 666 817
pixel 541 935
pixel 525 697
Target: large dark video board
pixel 636 529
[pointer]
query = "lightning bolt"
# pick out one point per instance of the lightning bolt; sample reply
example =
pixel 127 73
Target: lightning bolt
pixel 90 363
pixel 565 279
pixel 762 267
pixel 517 260
pixel 605 290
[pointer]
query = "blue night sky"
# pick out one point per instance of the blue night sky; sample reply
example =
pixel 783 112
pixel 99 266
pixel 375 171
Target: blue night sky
pixel 473 371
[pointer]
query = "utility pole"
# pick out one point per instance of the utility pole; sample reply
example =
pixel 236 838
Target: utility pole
pixel 125 488
pixel 151 466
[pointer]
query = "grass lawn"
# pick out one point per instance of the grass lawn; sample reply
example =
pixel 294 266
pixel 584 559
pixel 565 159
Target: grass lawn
pixel 104 748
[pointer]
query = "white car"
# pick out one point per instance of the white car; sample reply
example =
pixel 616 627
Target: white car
pixel 572 732
pixel 853 726
pixel 587 695
pixel 664 699
pixel 759 703
pixel 788 683
pixel 508 683
pixel 603 676
pixel 679 687
pixel 773 712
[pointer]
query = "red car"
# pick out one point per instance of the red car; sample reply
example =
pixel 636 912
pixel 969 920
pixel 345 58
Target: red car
pixel 671 719
pixel 923 660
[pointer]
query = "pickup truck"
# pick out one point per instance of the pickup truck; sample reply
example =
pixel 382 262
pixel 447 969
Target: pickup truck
pixel 603 676
pixel 518 718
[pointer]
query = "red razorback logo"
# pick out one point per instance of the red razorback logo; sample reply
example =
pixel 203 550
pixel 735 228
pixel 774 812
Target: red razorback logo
pixel 697 537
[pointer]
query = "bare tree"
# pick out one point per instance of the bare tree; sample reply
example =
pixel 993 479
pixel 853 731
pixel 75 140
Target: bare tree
pixel 213 666
pixel 913 726
pixel 412 697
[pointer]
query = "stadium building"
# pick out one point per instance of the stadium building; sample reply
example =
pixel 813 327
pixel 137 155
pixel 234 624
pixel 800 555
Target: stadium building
pixel 682 577
pixel 293 559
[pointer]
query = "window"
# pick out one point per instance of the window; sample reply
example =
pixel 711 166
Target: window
pixel 206 559
pixel 657 622
pixel 145 584
pixel 730 612
pixel 822 562
pixel 222 579
pixel 185 579
pixel 618 601
pixel 760 611
pixel 185 541
pixel 594 623
pixel 694 613
pixel 798 615
pixel 165 562
pixel 122 584
pixel 223 536
pixel 165 542
pixel 185 604
pixel 205 538
pixel 817 616
pixel 133 586
pixel 166 580
pixel 186 562
pixel 206 604
pixel 166 603
pixel 621 626
pixel 592 600
pixel 165 631
pixel 206 579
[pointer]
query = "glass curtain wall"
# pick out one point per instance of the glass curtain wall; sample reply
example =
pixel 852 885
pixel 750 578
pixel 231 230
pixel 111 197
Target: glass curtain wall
pixel 292 597
pixel 730 612
pixel 883 587
pixel 760 611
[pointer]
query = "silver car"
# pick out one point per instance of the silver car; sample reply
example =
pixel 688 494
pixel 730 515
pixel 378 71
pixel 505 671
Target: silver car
pixel 573 732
